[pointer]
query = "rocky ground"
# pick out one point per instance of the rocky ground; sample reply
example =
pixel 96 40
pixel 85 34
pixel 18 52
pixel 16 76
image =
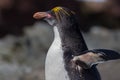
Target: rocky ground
pixel 22 58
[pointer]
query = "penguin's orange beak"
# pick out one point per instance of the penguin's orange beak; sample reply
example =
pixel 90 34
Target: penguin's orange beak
pixel 41 15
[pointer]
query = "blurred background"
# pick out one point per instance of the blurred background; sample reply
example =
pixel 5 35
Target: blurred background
pixel 24 41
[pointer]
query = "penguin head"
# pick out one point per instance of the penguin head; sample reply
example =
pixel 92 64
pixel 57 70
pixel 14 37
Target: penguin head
pixel 55 15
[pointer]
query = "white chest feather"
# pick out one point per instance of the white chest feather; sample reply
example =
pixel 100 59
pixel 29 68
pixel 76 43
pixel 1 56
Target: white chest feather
pixel 54 66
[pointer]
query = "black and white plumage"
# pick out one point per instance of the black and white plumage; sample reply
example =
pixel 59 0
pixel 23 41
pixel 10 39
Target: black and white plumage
pixel 68 57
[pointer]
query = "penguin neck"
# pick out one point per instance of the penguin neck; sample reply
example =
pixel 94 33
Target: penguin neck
pixel 72 38
pixel 56 34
